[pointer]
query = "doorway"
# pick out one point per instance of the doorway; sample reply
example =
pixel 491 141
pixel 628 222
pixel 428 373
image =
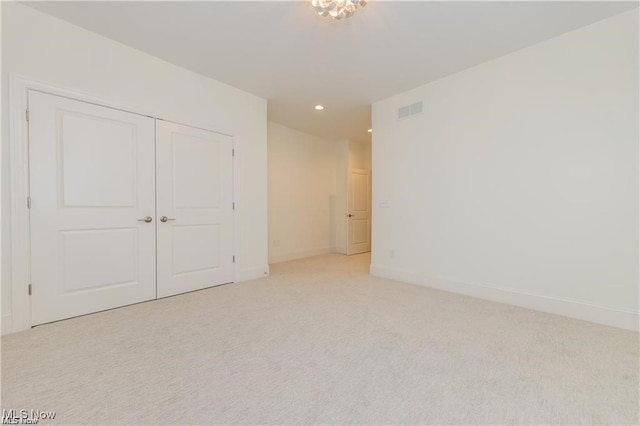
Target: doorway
pixel 352 206
pixel 358 211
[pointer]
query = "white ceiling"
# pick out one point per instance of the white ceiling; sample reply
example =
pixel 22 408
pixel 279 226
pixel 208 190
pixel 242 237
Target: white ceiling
pixel 285 53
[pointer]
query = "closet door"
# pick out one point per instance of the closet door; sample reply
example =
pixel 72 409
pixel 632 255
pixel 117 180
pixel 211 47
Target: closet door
pixel 194 208
pixel 92 188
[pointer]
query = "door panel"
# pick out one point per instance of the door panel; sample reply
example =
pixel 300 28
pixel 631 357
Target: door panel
pixel 110 252
pixel 194 190
pixel 359 216
pixel 92 160
pixel 196 181
pixel 201 248
pixel 92 177
pixel 359 231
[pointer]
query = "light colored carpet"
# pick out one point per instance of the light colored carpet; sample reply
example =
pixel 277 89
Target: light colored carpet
pixel 320 341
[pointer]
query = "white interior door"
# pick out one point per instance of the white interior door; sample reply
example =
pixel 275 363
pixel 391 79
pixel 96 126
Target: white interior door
pixel 359 214
pixel 92 180
pixel 194 208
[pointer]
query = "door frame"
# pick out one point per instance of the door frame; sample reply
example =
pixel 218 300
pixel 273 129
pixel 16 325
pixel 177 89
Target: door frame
pixel 20 317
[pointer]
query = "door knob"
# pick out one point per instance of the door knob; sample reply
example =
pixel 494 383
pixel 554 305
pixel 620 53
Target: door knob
pixel 350 215
pixel 164 219
pixel 147 219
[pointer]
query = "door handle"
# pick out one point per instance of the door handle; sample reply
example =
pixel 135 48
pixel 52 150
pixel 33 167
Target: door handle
pixel 146 219
pixel 165 219
pixel 350 215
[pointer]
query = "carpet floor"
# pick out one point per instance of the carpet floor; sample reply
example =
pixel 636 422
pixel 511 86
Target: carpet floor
pixel 322 342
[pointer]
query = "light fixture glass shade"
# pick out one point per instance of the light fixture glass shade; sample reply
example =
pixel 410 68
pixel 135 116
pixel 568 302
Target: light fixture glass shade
pixel 337 9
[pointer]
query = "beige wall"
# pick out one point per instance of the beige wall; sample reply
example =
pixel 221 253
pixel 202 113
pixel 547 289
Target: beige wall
pixel 308 192
pixel 340 204
pixel 302 189
pixel 360 155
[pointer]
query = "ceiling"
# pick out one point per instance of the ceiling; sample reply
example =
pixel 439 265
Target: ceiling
pixel 284 52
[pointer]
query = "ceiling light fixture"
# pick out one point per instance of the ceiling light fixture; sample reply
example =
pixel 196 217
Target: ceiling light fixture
pixel 319 107
pixel 337 9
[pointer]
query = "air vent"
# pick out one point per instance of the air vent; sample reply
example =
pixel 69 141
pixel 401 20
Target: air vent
pixel 409 110
pixel 404 112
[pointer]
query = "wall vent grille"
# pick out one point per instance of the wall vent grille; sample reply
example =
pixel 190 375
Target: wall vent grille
pixel 409 110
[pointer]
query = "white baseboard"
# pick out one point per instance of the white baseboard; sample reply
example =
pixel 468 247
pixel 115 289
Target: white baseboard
pixel 252 273
pixel 285 257
pixel 606 315
pixel 7 324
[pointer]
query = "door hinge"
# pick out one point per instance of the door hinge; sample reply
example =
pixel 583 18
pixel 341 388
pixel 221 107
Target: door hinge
pixel 29 289
pixel 234 259
pixel 27 114
pixel 233 206
pixel 233 152
pixel 29 202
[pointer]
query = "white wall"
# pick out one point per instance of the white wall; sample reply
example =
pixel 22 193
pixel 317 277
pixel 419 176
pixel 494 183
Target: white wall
pixel 302 189
pixel 519 182
pixel 46 49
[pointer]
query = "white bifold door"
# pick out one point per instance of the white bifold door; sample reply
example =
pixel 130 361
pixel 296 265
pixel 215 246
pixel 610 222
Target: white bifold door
pixel 101 180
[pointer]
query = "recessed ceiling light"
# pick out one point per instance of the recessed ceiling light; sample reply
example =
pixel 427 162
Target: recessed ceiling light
pixel 319 107
pixel 370 130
